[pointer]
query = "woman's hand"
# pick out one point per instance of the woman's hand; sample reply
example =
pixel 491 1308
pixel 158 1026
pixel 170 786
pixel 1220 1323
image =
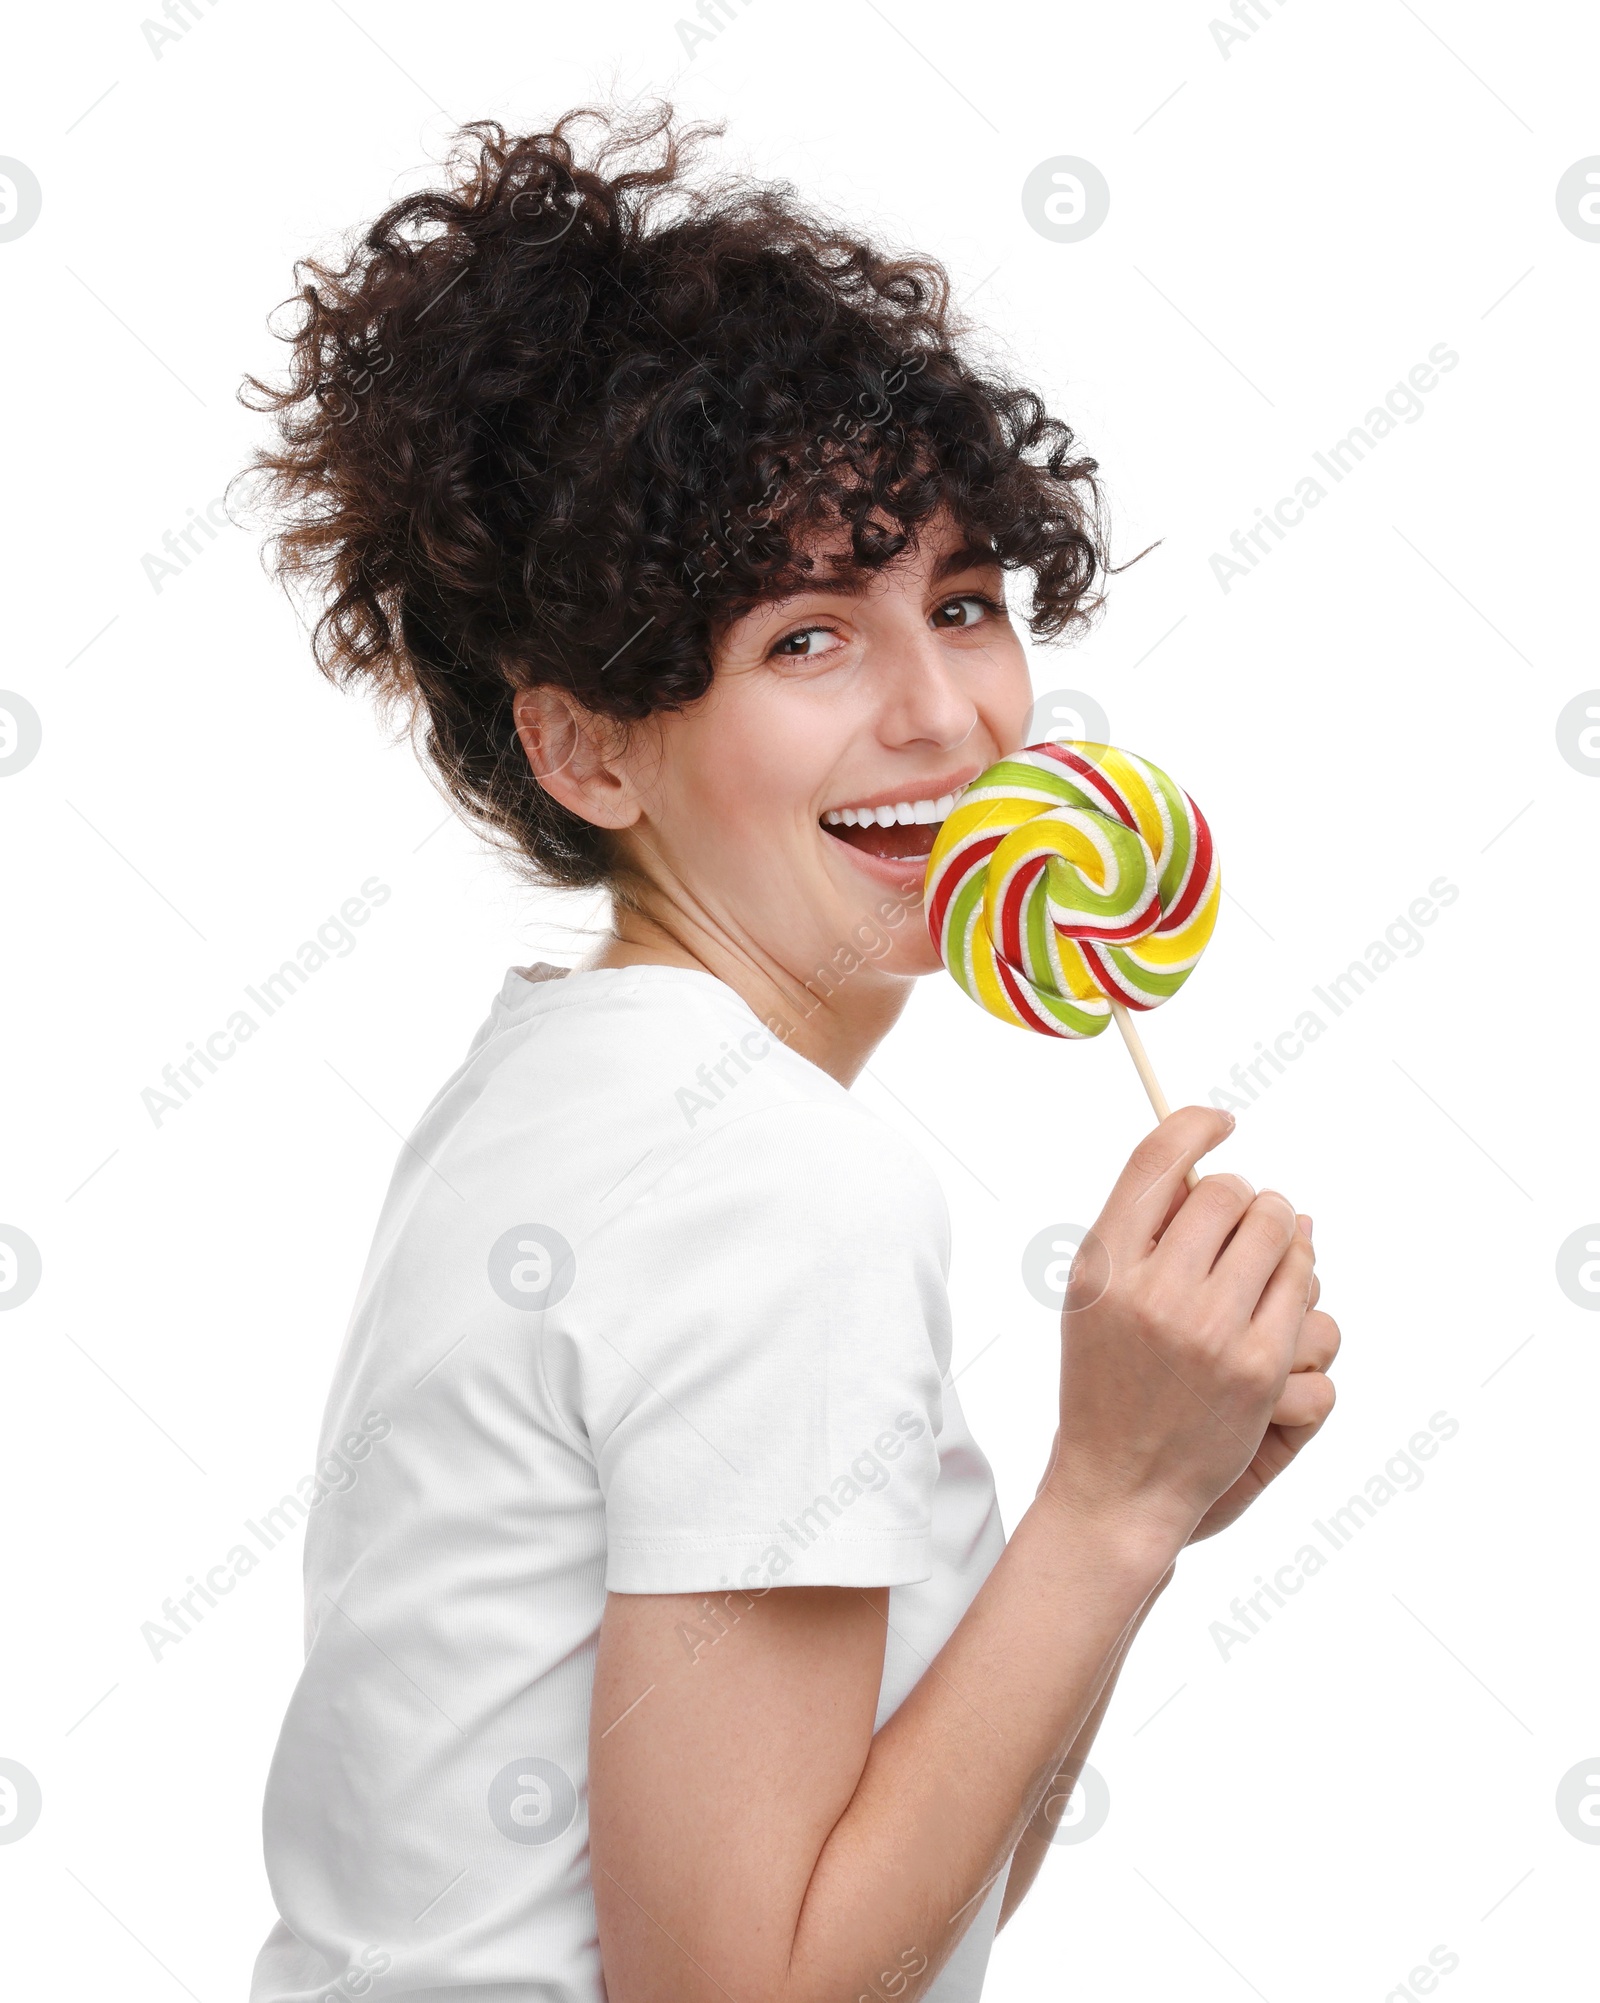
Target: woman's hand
pixel 1298 1416
pixel 1193 1363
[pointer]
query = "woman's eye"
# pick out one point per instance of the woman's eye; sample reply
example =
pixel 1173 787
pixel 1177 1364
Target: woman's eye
pixel 803 644
pixel 969 610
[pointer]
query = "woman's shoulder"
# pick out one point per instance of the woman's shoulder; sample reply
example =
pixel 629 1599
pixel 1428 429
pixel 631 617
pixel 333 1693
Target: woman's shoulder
pixel 671 1069
pixel 667 1043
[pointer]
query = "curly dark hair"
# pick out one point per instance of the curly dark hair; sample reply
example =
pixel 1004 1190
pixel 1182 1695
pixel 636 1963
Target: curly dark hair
pixel 561 420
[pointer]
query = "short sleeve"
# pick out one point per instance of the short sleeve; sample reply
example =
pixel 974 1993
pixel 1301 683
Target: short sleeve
pixel 758 1363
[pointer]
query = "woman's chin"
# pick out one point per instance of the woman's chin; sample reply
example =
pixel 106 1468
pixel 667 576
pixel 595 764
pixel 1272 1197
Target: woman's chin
pixel 891 906
pixel 912 954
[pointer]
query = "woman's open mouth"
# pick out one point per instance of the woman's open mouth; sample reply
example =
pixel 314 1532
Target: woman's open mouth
pixel 897 833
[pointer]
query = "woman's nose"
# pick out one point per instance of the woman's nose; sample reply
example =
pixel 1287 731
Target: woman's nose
pixel 926 699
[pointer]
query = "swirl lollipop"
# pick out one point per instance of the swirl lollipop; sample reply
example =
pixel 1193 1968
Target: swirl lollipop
pixel 1070 884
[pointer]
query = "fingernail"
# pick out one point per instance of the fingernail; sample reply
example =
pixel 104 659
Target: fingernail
pixel 1305 1224
pixel 1231 1118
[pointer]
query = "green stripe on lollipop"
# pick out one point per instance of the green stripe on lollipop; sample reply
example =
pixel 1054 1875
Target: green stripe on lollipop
pixel 1144 980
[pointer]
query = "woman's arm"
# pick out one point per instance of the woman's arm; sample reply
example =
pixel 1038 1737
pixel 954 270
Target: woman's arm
pixel 752 1837
pixel 1036 1838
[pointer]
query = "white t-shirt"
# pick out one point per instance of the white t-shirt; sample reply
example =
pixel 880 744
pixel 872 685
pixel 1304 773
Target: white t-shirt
pixel 653 1306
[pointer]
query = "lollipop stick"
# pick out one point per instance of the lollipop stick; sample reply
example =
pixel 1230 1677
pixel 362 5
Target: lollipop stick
pixel 1147 1076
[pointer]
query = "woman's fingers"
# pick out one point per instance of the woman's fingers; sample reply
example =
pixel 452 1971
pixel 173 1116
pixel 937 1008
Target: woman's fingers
pixel 1191 1243
pixel 1307 1399
pixel 1266 1265
pixel 1187 1308
pixel 1143 1195
pixel 1318 1342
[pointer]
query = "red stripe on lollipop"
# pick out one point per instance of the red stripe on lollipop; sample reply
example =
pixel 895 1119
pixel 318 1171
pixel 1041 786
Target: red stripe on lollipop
pixel 951 877
pixel 1020 995
pixel 1199 874
pixel 1092 776
pixel 1023 878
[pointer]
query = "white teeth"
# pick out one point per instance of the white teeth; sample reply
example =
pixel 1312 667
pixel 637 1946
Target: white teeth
pixel 903 812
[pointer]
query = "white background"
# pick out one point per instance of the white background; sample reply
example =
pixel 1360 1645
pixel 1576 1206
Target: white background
pixel 1293 225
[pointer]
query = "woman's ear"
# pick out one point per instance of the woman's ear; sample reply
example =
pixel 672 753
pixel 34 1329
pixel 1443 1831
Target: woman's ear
pixel 577 756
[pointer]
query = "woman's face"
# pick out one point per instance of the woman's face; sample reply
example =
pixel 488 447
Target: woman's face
pixel 795 804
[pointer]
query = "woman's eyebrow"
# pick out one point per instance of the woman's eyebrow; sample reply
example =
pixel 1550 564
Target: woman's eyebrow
pixel 971 556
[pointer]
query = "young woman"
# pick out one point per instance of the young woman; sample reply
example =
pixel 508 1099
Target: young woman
pixel 667 1646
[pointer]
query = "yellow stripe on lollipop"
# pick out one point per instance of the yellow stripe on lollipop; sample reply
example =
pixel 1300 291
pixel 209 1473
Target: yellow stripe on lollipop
pixel 1081 984
pixel 1177 949
pixel 986 979
pixel 1148 809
